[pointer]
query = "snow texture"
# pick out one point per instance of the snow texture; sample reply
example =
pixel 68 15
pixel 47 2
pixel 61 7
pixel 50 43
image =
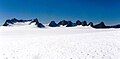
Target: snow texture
pixel 30 42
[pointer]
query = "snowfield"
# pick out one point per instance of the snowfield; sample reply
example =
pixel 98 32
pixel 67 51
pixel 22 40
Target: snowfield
pixel 30 42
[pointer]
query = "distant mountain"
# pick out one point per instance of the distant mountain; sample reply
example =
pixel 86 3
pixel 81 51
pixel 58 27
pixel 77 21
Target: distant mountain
pixel 115 26
pixel 69 24
pixel 100 25
pixel 90 24
pixel 53 24
pixel 84 23
pixel 78 22
pixel 14 21
pixel 63 23
pixel 37 23
pixel 11 22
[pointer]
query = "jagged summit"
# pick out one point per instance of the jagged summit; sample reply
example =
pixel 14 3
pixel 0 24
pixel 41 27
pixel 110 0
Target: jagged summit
pixel 90 24
pixel 13 21
pixel 78 22
pixel 63 23
pixel 53 24
pixel 37 23
pixel 69 24
pixel 17 22
pixel 115 26
pixel 84 23
pixel 100 25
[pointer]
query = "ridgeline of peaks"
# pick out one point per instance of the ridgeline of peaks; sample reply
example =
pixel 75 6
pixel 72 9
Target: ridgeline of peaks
pixel 61 23
pixel 14 20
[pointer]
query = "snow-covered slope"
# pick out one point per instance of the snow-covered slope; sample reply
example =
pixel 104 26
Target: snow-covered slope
pixel 26 42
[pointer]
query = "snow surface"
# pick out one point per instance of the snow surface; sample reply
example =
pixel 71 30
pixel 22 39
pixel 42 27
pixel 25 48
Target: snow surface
pixel 30 42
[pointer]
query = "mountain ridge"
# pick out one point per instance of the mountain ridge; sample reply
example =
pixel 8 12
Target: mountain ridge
pixel 65 23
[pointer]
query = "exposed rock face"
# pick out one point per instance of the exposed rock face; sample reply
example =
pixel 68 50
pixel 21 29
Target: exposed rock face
pixel 90 24
pixel 84 23
pixel 37 23
pixel 53 24
pixel 63 22
pixel 115 26
pixel 7 22
pixel 69 24
pixel 78 22
pixel 100 25
pixel 24 20
pixel 40 25
pixel 74 24
pixel 12 21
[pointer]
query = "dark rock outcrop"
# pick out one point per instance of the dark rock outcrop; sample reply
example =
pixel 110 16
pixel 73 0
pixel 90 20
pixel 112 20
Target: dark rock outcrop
pixel 53 24
pixel 14 20
pixel 90 24
pixel 40 25
pixel 63 22
pixel 69 24
pixel 7 22
pixel 84 23
pixel 115 26
pixel 37 23
pixel 78 22
pixel 100 25
pixel 24 20
pixel 74 24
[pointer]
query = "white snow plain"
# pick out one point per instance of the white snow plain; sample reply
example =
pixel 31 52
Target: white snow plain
pixel 30 42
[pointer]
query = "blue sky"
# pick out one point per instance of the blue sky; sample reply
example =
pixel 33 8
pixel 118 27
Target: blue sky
pixel 47 10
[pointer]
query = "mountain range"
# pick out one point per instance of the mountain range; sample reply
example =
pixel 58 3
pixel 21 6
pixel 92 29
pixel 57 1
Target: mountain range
pixel 11 22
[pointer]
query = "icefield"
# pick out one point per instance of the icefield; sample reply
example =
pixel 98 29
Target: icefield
pixel 30 42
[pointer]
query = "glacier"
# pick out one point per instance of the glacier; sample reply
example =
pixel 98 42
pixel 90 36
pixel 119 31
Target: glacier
pixel 23 41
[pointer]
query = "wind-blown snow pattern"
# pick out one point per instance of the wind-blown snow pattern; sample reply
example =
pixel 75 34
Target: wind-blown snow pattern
pixel 29 42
